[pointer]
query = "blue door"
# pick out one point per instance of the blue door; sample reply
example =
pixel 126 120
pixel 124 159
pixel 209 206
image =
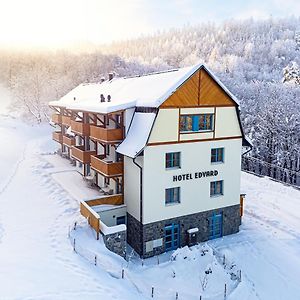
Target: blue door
pixel 215 226
pixel 171 237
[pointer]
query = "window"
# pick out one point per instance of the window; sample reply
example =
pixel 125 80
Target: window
pixel 196 122
pixel 172 195
pixel 106 181
pixel 173 160
pixel 217 155
pixel 216 188
pixel 120 220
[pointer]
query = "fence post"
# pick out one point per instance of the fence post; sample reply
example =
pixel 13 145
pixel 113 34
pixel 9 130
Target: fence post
pixel 152 292
pixel 69 232
pixel 95 260
pixel 74 245
pixel 75 224
pixel 142 262
pixel 176 295
pixel 157 259
pixel 224 260
pixel 225 292
pixel 240 276
pixel 122 273
pixel 200 297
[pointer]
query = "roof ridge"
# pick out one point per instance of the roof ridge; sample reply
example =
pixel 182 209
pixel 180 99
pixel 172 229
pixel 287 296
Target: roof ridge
pixel 151 73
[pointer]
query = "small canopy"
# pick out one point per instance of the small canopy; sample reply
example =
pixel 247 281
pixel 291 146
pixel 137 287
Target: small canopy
pixel 138 134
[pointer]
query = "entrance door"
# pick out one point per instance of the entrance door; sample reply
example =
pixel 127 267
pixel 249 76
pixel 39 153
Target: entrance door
pixel 171 237
pixel 215 226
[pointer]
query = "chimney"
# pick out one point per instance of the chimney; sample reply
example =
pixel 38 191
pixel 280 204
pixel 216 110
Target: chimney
pixel 110 76
pixel 108 98
pixel 102 98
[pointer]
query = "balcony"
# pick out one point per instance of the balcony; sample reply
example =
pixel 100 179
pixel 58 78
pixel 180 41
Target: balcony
pixel 57 136
pixel 66 120
pixel 80 128
pixel 56 118
pixel 82 155
pixel 68 141
pixel 106 168
pixel 106 134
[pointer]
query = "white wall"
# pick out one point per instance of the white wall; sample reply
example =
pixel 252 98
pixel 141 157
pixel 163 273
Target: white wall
pixel 132 186
pixel 128 114
pixel 195 193
pixel 227 123
pixel 166 125
pixel 165 128
pixel 109 217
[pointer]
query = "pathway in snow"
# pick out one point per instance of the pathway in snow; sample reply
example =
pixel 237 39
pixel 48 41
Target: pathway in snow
pixel 267 247
pixel 36 258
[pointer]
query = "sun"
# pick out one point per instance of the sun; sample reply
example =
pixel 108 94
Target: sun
pixel 56 23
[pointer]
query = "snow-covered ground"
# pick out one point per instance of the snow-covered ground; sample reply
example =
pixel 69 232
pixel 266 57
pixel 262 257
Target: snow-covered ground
pixel 37 260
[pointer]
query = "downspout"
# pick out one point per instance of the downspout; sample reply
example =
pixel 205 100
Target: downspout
pixel 141 189
pixel 141 205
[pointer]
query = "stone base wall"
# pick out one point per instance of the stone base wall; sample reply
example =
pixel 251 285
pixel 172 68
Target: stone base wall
pixel 134 233
pixel 116 242
pixel 138 235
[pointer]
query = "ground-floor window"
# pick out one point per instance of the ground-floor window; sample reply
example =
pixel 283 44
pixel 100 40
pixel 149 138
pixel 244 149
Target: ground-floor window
pixel 121 220
pixel 172 195
pixel 216 188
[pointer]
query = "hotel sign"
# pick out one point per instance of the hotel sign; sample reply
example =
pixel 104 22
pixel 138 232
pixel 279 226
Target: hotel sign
pixel 195 175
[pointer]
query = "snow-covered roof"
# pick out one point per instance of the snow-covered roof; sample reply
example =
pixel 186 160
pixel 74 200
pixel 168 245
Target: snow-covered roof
pixel 138 134
pixel 141 91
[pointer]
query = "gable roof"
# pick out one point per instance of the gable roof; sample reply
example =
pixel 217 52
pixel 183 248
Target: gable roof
pixel 126 92
pixel 150 90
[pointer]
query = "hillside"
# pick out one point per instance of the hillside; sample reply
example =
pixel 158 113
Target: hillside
pixel 252 58
pixel 36 213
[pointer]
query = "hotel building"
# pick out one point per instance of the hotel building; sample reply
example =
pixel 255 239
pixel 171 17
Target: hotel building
pixel 164 150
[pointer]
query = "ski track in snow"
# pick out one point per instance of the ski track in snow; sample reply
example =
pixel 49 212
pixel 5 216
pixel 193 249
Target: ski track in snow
pixel 67 210
pixel 9 181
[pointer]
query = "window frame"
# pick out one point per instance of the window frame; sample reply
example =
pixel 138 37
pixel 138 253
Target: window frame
pixel 172 160
pixel 195 123
pixel 214 188
pixel 172 195
pixel 217 155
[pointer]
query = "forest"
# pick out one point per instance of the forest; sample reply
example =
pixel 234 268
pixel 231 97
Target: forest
pixel 257 60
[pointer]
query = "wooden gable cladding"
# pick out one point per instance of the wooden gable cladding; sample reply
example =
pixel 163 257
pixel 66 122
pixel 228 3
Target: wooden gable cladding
pixel 211 94
pixel 199 90
pixel 187 94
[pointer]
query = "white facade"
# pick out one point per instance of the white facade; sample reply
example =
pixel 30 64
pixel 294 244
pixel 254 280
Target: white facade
pixel 195 192
pixel 195 152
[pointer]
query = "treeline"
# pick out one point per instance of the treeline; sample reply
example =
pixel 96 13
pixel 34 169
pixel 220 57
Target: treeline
pixel 36 78
pixel 258 61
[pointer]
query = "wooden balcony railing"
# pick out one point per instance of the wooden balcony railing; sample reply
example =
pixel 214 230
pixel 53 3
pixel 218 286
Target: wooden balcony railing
pixel 57 136
pixel 68 141
pixel 56 118
pixel 86 209
pixel 80 128
pixel 105 134
pixel 82 155
pixel 106 168
pixel 66 120
pixel 112 199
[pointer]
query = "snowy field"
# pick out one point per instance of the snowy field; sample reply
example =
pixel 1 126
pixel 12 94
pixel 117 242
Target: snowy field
pixel 37 260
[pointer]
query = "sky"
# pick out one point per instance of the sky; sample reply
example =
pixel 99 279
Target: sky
pixel 59 23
